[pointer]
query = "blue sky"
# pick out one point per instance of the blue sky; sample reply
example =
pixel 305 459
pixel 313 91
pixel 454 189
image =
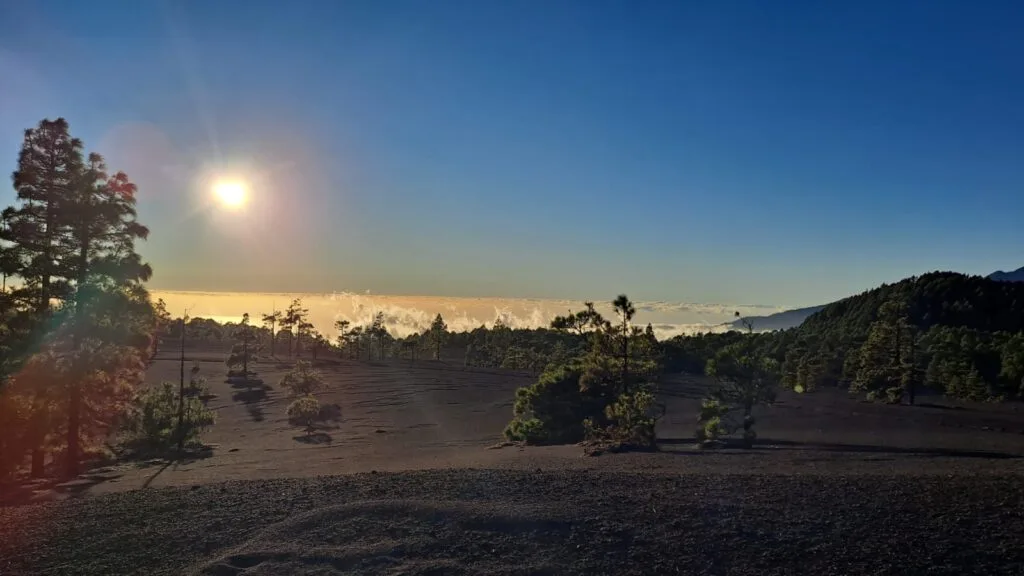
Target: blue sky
pixel 748 152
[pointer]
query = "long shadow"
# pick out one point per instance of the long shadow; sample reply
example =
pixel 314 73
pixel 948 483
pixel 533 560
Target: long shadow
pixel 155 474
pixel 38 490
pixel 252 393
pixel 772 444
pixel 940 406
pixel 315 438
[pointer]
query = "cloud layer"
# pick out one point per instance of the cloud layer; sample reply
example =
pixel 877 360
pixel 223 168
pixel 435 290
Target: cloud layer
pixel 405 315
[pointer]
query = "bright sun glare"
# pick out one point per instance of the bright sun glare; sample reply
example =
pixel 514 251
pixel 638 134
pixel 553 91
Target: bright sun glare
pixel 231 193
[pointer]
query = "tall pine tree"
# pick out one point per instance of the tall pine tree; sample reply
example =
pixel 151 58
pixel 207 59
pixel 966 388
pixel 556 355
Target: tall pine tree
pixel 887 364
pixel 74 231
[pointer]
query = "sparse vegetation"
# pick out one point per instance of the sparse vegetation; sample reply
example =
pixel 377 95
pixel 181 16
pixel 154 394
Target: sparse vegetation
pixel 744 379
pixel 438 330
pixel 302 380
pixel 155 424
pixel 606 396
pixel 304 411
pixel 244 352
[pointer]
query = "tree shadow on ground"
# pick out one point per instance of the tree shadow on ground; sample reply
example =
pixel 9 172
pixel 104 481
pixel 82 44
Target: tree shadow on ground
pixel 769 444
pixel 164 458
pixel 43 489
pixel 252 393
pixel 316 438
pixel 939 406
pixel 29 491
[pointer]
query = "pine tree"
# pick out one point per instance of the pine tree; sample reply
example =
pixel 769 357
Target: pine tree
pixel 438 331
pixel 304 333
pixel 886 360
pixel 355 338
pixel 342 327
pixel 625 309
pixel 270 321
pixel 74 234
pixel 244 350
pixel 302 380
pixel 50 165
pixel 293 318
pixel 745 379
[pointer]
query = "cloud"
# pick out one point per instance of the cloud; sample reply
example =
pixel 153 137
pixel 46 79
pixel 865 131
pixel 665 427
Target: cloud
pixel 404 315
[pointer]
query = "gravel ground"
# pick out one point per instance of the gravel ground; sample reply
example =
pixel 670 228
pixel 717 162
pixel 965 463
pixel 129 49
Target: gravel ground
pixel 474 521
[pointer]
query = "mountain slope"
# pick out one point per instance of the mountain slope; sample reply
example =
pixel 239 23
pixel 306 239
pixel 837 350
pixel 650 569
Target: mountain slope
pixel 1012 276
pixel 779 321
pixel 934 299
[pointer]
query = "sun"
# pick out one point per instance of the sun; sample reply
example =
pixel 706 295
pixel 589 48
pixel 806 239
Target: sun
pixel 231 194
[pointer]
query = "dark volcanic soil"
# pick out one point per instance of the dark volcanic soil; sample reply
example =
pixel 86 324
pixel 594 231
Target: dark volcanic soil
pixel 521 522
pixel 834 486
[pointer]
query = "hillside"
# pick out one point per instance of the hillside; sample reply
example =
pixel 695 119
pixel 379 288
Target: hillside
pixel 779 321
pixel 948 332
pixel 1012 276
pixel 944 332
pixel 934 299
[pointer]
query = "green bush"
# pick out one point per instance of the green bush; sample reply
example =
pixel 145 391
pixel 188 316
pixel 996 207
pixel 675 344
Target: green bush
pixel 629 423
pixel 553 409
pixel 530 431
pixel 154 422
pixel 305 412
pixel 711 426
pixel 302 380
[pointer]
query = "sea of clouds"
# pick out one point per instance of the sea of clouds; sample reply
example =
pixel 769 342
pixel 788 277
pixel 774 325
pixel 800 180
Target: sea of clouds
pixel 405 315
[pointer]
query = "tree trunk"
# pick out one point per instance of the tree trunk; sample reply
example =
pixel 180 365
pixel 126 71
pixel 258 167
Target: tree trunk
pixel 625 355
pixel 181 391
pixel 75 396
pixel 74 426
pixel 38 462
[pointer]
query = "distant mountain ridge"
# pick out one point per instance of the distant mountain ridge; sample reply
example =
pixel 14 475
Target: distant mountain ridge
pixel 792 318
pixel 779 321
pixel 1012 276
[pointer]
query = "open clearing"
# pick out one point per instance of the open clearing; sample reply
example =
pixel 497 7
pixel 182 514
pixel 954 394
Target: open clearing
pixel 836 486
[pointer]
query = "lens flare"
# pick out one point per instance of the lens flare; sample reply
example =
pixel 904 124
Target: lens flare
pixel 232 194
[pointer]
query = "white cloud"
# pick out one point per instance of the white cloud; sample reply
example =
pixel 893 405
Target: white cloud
pixel 405 315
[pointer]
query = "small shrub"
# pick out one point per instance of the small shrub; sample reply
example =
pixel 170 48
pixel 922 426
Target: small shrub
pixel 552 410
pixel 711 426
pixel 302 380
pixel 154 422
pixel 749 435
pixel 304 412
pixel 630 425
pixel 894 395
pixel 530 431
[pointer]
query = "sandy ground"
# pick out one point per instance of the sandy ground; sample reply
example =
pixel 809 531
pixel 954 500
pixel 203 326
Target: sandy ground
pixel 425 491
pixel 400 415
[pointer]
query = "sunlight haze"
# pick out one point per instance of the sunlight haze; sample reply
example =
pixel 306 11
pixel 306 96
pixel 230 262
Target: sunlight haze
pixel 410 148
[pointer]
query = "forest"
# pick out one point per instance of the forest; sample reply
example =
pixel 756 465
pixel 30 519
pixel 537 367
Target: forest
pixel 78 328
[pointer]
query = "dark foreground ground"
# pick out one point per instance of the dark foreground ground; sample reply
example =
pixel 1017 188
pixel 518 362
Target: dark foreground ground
pixel 409 482
pixel 530 522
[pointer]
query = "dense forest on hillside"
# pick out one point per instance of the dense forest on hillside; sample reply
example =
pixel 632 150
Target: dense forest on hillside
pixel 943 331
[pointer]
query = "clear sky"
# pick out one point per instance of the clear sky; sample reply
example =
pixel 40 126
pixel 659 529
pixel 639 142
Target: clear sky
pixel 783 153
